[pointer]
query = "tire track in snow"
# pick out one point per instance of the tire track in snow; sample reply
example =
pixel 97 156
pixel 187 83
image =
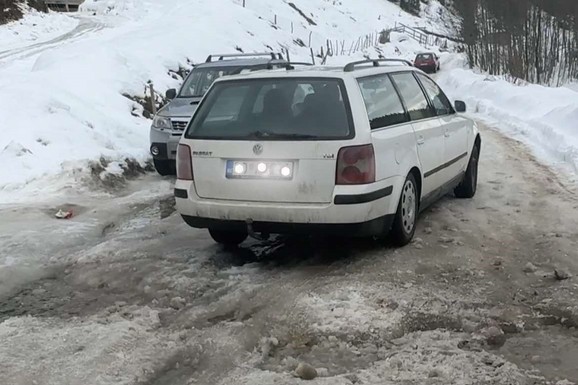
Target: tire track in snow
pixel 85 27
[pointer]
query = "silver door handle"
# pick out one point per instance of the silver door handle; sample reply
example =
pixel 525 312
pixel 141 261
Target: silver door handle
pixel 420 140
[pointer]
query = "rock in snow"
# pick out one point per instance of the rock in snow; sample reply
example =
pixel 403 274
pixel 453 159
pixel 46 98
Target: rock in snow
pixel 562 274
pixel 178 303
pixel 529 268
pixel 494 336
pixel 305 371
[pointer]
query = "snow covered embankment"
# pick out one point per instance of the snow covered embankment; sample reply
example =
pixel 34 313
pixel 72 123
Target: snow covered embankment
pixel 543 118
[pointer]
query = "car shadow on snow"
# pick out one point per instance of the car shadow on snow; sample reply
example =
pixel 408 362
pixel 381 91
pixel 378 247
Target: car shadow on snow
pixel 295 251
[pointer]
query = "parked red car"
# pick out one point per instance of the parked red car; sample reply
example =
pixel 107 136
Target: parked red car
pixel 427 62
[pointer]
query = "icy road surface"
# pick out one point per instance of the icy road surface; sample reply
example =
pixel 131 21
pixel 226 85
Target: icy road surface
pixel 126 293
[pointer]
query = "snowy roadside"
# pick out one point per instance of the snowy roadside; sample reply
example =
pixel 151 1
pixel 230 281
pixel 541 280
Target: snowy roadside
pixel 543 118
pixel 35 27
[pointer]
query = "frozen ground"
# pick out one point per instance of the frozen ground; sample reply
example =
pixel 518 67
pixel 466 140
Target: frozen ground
pixel 126 293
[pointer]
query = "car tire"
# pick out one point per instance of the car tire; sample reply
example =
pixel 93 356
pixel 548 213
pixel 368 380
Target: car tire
pixel 467 188
pixel 164 167
pixel 228 238
pixel 405 220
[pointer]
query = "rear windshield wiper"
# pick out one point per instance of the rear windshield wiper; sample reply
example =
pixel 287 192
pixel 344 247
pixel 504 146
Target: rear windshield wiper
pixel 275 135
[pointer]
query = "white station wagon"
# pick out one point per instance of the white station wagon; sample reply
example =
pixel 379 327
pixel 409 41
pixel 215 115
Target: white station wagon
pixel 354 151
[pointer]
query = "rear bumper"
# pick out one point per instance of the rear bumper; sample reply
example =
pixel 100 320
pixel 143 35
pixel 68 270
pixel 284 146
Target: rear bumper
pixel 427 67
pixel 373 227
pixel 354 210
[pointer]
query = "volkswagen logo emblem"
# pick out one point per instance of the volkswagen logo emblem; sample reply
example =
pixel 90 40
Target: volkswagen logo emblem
pixel 258 149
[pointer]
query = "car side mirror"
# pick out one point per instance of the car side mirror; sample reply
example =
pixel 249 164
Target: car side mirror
pixel 171 94
pixel 460 106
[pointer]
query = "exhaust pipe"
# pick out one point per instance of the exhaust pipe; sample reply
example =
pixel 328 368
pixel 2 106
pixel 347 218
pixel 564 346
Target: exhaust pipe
pixel 253 234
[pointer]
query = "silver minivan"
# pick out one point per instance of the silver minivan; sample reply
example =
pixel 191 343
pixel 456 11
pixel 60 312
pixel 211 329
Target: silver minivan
pixel 171 120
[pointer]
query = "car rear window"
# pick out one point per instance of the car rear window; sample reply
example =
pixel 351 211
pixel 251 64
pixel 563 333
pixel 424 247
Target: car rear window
pixel 274 109
pixel 424 57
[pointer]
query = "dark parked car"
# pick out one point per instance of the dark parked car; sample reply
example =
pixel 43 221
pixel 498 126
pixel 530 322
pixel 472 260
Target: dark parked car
pixel 427 62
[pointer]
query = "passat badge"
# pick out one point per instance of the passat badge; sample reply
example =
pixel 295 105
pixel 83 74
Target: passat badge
pixel 258 149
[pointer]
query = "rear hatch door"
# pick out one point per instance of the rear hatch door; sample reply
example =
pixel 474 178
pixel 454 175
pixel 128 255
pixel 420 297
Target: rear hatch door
pixel 296 172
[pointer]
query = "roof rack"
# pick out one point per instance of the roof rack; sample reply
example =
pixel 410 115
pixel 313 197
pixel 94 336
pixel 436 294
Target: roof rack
pixel 351 66
pixel 271 66
pixel 272 55
pixel 291 65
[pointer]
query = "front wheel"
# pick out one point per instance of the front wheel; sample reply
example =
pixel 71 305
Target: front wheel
pixel 467 188
pixel 228 238
pixel 405 220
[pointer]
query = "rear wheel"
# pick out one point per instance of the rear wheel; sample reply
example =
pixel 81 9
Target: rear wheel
pixel 404 224
pixel 228 238
pixel 164 167
pixel 469 185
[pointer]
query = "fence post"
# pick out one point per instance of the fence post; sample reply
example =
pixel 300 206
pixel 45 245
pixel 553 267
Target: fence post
pixel 310 34
pixel 243 3
pixel 312 57
pixel 153 99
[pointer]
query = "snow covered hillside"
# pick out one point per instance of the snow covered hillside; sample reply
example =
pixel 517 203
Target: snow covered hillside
pixel 63 107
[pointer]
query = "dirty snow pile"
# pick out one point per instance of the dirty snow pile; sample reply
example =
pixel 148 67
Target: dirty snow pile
pixel 61 104
pixel 544 118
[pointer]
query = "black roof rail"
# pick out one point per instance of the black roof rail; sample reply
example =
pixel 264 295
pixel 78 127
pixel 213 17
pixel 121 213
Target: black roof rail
pixel 351 66
pixel 291 65
pixel 273 64
pixel 270 65
pixel 272 55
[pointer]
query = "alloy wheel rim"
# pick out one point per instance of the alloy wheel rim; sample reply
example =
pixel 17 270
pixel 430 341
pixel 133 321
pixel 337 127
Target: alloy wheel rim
pixel 408 206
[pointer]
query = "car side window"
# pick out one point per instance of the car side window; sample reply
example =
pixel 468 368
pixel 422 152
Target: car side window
pixel 384 108
pixel 439 100
pixel 415 101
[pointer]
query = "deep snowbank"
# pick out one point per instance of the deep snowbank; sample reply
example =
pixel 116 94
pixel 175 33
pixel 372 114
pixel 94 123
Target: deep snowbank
pixel 63 108
pixel 544 118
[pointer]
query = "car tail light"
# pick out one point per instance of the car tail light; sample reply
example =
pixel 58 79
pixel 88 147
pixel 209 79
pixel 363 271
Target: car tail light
pixel 184 163
pixel 356 165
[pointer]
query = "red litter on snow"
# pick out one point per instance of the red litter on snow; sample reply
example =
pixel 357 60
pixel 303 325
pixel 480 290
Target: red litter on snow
pixel 63 214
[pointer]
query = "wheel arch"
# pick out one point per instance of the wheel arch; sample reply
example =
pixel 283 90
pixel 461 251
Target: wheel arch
pixel 418 179
pixel 478 141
